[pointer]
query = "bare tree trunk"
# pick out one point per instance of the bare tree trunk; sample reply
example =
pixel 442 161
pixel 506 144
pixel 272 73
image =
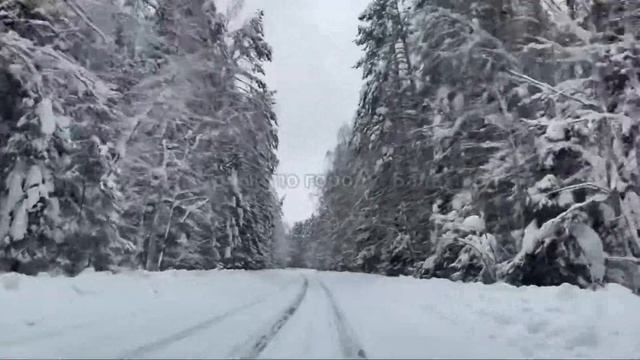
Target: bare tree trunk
pixel 152 246
pixel 160 258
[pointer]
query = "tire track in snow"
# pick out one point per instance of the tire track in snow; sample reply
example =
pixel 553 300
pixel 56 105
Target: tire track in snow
pixel 167 341
pixel 66 330
pixel 252 348
pixel 349 343
pixel 48 334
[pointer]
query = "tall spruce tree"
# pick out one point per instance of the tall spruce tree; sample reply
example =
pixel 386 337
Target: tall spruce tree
pixel 60 194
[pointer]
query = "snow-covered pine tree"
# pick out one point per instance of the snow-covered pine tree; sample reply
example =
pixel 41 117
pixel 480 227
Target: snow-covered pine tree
pixel 393 157
pixel 460 78
pixel 204 132
pixel 301 244
pixel 256 143
pixel 585 195
pixel 173 138
pixel 334 228
pixel 515 109
pixel 280 246
pixel 59 195
pixel 384 147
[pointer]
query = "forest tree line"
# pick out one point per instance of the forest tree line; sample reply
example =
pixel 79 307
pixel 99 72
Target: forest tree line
pixel 134 134
pixel 495 140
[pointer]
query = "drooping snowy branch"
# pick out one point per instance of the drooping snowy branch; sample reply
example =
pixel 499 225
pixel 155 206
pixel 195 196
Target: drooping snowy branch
pixel 545 86
pixel 83 16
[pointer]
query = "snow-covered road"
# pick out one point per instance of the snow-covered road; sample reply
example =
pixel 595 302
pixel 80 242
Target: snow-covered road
pixel 307 314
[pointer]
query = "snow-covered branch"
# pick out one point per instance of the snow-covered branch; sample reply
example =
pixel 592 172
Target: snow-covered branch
pixel 82 15
pixel 580 186
pixel 545 86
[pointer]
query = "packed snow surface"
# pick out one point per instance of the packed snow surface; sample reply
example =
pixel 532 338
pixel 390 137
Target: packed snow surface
pixel 307 314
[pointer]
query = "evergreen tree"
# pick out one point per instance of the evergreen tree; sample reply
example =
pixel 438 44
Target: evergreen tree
pixel 205 132
pixel 511 139
pixel 145 121
pixel 59 160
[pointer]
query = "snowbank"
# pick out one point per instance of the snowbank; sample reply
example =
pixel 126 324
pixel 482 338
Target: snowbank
pixel 412 318
pixel 101 315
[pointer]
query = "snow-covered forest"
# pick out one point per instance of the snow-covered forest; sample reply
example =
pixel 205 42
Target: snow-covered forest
pixel 134 134
pixel 495 140
pixel 482 201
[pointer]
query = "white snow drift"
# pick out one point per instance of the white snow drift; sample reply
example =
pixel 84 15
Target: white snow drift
pixel 234 314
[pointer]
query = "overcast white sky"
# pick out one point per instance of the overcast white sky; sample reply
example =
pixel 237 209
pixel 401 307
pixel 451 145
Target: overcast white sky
pixel 318 89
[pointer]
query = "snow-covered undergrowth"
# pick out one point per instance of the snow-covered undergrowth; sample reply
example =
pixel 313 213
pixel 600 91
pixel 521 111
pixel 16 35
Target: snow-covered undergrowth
pixel 106 315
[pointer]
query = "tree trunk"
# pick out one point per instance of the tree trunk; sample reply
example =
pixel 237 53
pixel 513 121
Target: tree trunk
pixel 152 246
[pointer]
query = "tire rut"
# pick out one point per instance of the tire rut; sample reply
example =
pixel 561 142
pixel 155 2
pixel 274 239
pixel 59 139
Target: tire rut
pixel 48 334
pixel 258 343
pixel 167 341
pixel 349 343
pixel 65 330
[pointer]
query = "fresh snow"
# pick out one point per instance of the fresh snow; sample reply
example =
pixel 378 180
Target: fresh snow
pixel 33 186
pixel 11 203
pixel 20 222
pixel 473 223
pixel 556 131
pixel 530 238
pixel 46 116
pixel 591 244
pixel 307 314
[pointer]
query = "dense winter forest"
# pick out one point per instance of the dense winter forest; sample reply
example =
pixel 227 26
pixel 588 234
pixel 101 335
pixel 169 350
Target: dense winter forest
pixel 495 140
pixel 134 134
